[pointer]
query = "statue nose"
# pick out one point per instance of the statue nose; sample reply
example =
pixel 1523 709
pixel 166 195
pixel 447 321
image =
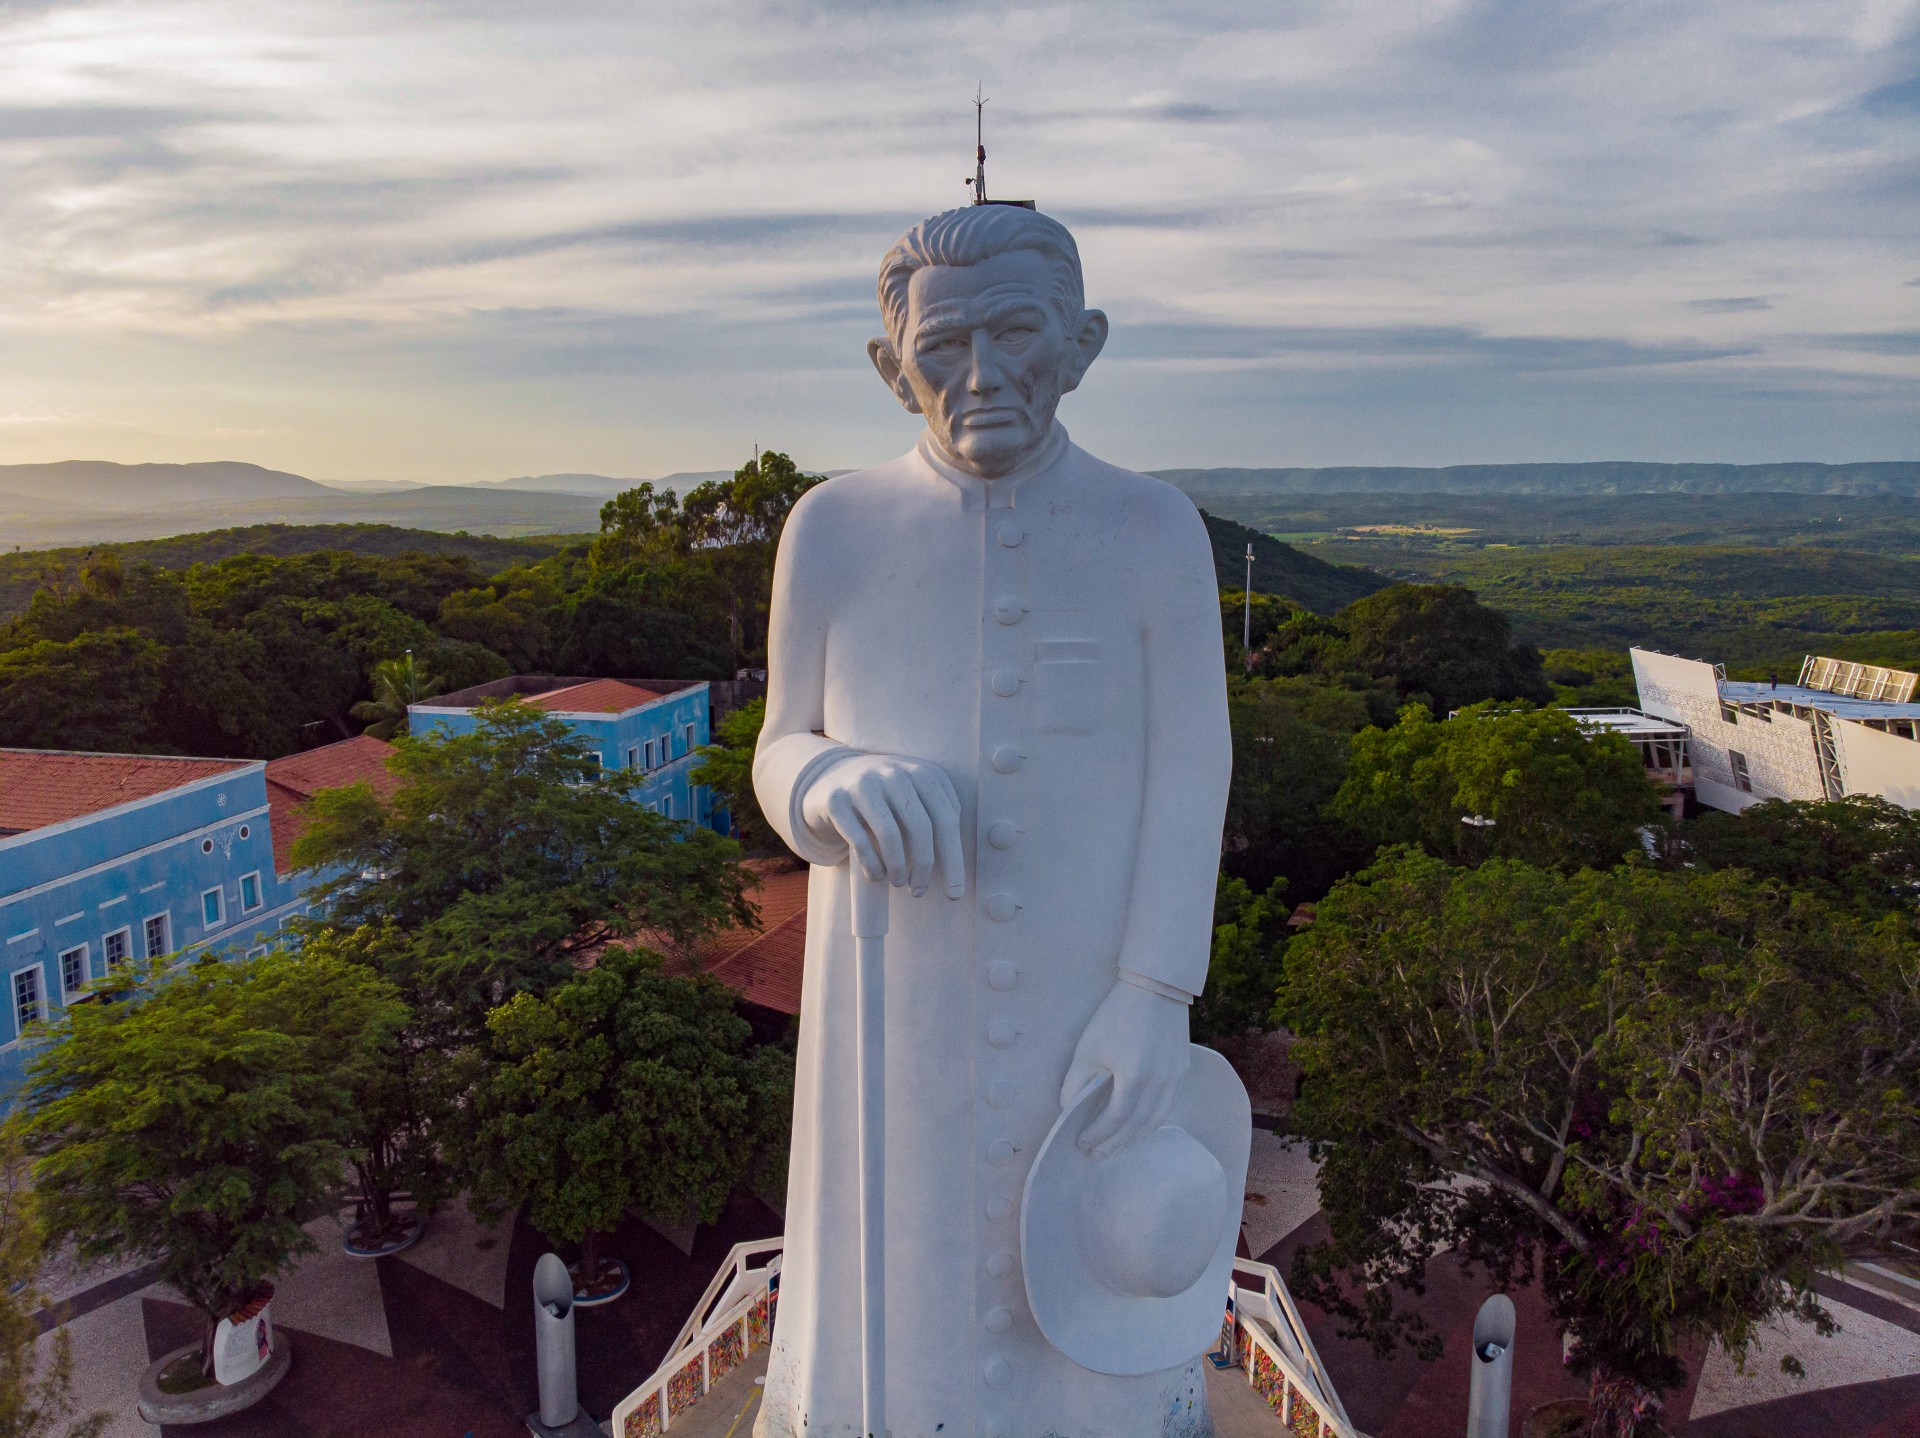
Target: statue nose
pixel 983 375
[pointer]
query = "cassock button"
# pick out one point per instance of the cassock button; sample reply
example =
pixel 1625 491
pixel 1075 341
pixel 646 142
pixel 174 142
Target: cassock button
pixel 1001 1092
pixel 1000 1265
pixel 1001 834
pixel 999 1208
pixel 1006 759
pixel 995 1371
pixel 1000 1153
pixel 1001 1033
pixel 1003 976
pixel 1008 611
pixel 998 1320
pixel 1006 682
pixel 1001 907
pixel 1010 534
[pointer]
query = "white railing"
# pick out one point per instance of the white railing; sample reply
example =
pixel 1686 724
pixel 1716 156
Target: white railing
pixel 1265 1334
pixel 732 1319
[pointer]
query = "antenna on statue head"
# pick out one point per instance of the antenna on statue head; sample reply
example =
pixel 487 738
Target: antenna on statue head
pixel 978 182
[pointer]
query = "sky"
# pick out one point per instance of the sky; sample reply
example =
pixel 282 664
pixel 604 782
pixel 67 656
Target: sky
pixel 467 240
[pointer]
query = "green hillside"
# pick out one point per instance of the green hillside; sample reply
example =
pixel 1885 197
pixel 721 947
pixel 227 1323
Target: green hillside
pixel 21 573
pixel 1281 569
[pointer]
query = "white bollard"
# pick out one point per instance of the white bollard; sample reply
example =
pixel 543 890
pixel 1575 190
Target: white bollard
pixel 553 1341
pixel 1490 1395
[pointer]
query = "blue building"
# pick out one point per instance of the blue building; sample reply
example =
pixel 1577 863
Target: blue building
pixel 651 725
pixel 104 857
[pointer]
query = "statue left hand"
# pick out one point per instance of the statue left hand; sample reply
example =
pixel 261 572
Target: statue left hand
pixel 1140 1038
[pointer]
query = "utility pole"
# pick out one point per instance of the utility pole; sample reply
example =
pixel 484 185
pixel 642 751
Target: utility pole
pixel 979 180
pixel 1246 621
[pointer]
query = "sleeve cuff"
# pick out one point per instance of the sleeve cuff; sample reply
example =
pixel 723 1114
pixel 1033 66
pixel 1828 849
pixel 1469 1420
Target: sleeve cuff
pixel 1154 986
pixel 782 773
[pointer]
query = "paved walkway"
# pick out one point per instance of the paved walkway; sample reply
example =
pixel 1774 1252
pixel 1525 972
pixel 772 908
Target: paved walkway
pixel 439 1341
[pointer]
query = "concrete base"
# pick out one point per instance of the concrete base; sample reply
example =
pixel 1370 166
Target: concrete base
pixel 581 1427
pixel 216 1400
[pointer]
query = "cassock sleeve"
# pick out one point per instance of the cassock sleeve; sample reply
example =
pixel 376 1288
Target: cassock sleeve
pixel 1169 932
pixel 792 749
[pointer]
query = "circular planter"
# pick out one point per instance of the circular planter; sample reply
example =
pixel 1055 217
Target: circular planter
pixel 606 1295
pixel 216 1400
pixel 1551 1420
pixel 416 1225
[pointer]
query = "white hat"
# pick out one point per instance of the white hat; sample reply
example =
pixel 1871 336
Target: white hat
pixel 1126 1259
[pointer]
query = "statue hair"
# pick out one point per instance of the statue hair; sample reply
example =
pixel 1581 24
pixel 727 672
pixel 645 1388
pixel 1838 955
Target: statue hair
pixel 969 236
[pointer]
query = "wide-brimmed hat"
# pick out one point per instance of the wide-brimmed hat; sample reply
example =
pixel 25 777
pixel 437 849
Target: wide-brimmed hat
pixel 1126 1259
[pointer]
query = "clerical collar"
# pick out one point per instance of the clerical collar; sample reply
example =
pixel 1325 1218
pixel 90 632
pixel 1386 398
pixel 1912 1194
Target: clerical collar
pixel 978 493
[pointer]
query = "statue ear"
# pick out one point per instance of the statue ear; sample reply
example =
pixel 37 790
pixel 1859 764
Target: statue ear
pixel 880 351
pixel 1083 349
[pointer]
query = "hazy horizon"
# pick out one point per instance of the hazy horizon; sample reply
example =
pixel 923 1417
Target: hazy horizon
pixel 478 240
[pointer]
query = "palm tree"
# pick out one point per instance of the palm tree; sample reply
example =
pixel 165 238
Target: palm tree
pixel 396 684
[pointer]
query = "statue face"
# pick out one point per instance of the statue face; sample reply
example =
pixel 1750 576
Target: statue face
pixel 987 358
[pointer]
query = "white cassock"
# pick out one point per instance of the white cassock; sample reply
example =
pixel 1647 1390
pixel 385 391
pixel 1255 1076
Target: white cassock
pixel 1053 640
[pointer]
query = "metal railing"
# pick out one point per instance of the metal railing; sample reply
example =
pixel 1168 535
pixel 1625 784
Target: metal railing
pixel 732 1319
pixel 1264 1333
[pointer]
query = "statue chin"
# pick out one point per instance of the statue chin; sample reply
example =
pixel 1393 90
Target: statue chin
pixel 992 453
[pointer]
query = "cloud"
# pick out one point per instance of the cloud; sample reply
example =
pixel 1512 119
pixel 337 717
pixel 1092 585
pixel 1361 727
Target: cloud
pixel 1730 305
pixel 371 238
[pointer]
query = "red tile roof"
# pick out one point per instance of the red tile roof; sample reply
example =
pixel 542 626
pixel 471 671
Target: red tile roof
pixel 764 965
pixel 298 777
pixel 596 696
pixel 39 787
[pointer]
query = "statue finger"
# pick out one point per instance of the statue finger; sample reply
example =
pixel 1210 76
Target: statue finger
pixel 870 798
pixel 1115 1122
pixel 846 819
pixel 943 806
pixel 917 825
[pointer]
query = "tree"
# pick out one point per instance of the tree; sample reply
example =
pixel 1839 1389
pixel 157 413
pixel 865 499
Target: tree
pixel 95 691
pixel 36 1392
pixel 624 1088
pixel 1249 947
pixel 1677 1097
pixel 1440 644
pixel 1860 852
pixel 397 683
pixel 1290 743
pixel 202 1118
pixel 726 768
pixel 506 856
pixel 1557 794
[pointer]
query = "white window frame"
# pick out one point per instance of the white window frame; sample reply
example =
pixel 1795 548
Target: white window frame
pixel 666 806
pixel 688 729
pixel 68 995
pixel 219 896
pixel 39 972
pixel 165 919
pixel 633 756
pixel 648 766
pixel 1742 771
pixel 257 951
pixel 259 893
pixel 124 933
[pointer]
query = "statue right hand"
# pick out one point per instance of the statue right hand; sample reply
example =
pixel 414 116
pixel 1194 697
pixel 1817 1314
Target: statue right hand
pixel 900 819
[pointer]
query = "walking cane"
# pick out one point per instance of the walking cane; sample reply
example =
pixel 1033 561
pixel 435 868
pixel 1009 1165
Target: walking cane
pixel 870 947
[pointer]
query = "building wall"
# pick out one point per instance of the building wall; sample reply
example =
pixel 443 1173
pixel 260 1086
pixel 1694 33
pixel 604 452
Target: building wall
pixel 71 886
pixel 1782 762
pixel 677 725
pixel 1875 762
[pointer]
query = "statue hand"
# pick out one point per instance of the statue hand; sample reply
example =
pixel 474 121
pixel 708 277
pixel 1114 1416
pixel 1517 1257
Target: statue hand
pixel 899 817
pixel 1139 1037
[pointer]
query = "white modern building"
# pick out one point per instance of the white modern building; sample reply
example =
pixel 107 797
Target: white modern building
pixel 1842 729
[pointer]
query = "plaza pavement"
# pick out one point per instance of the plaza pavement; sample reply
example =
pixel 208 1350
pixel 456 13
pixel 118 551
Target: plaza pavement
pixel 438 1341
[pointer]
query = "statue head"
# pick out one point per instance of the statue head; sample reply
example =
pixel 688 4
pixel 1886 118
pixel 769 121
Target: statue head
pixel 987 327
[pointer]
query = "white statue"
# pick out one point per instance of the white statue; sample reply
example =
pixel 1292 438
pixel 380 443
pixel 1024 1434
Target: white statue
pixel 996 677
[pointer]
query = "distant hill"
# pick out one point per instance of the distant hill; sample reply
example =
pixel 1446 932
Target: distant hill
pixel 1605 477
pixel 598 485
pixel 99 485
pixel 1281 569
pixel 20 574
